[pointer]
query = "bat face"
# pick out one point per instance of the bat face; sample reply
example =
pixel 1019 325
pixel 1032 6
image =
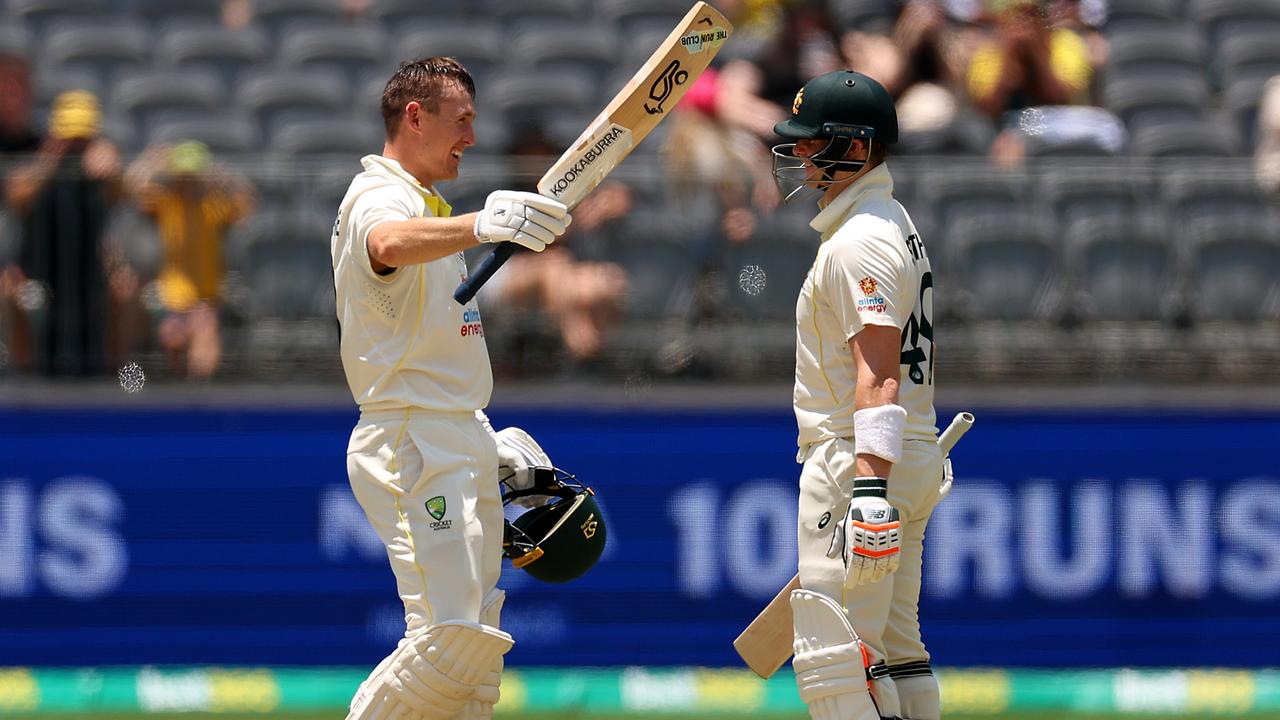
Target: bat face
pixel 639 106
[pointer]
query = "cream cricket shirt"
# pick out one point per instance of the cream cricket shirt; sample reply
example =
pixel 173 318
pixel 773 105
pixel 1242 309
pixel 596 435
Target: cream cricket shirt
pixel 405 341
pixel 871 269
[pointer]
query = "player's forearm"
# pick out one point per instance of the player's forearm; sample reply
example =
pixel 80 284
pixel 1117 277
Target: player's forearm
pixel 869 393
pixel 421 240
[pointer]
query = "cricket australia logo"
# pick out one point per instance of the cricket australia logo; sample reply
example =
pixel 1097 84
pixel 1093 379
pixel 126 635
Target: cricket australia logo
pixel 795 104
pixel 436 508
pixel 661 88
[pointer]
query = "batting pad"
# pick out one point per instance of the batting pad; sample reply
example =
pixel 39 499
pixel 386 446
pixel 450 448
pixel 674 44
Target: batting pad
pixel 830 665
pixel 434 675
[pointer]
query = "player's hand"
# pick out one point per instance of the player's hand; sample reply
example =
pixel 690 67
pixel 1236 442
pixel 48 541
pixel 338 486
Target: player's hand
pixel 525 218
pixel 519 455
pixel 869 538
pixel 944 488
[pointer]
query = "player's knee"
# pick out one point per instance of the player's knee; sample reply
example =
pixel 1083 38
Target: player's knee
pixel 436 673
pixel 917 691
pixel 830 662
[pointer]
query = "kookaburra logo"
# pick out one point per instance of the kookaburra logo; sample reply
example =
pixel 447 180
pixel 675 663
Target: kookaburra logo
pixel 661 88
pixel 589 527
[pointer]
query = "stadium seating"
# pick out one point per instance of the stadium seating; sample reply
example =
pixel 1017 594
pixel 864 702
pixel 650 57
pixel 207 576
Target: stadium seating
pixel 1119 270
pixel 223 50
pixel 1167 229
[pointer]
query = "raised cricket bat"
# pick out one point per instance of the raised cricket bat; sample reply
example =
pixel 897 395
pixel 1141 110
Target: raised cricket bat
pixel 766 644
pixel 632 114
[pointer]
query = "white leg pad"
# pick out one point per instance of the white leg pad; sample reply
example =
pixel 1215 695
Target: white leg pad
pixel 480 706
pixel 831 670
pixel 920 697
pixel 434 674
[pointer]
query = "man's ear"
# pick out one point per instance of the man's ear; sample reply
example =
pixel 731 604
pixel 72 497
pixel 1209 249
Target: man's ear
pixel 858 149
pixel 413 114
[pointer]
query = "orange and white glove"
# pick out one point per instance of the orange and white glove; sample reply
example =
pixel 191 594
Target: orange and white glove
pixel 869 538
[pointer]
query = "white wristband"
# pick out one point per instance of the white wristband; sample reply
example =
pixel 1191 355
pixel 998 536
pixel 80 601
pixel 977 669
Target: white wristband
pixel 878 431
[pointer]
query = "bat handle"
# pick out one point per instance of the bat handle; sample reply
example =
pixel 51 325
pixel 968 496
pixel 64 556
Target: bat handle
pixel 468 288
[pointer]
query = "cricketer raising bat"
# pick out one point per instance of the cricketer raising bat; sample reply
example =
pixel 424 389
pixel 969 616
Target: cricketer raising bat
pixel 632 114
pixel 767 642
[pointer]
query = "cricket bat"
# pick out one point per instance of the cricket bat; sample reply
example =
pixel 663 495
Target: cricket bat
pixel 766 644
pixel 632 114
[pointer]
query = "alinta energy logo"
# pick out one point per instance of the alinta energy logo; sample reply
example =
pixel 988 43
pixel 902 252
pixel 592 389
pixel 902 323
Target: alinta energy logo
pixel 437 508
pixel 471 326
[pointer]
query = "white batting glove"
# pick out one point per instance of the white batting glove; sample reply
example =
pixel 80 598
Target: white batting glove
pixel 869 538
pixel 518 456
pixel 525 218
pixel 944 489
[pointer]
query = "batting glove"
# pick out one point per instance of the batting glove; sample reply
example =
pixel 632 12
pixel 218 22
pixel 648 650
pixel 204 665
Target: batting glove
pixel 525 218
pixel 519 455
pixel 869 538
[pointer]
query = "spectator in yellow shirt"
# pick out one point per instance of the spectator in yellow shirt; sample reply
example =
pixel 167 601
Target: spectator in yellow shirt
pixel 193 201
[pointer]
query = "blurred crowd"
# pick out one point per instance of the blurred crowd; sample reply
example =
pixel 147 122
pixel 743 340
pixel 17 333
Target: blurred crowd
pixel 1000 79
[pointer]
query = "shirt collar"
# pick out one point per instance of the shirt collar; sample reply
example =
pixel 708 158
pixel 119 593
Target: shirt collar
pixel 435 203
pixel 878 182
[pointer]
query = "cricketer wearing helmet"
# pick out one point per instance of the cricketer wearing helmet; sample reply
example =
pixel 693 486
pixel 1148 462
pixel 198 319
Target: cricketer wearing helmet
pixel 864 405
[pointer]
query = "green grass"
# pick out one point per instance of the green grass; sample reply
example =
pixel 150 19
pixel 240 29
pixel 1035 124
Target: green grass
pixel 338 715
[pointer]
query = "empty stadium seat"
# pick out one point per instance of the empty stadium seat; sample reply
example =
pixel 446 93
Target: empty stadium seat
pixel 327 136
pixel 972 190
pixel 1007 268
pixel 168 95
pixel 105 49
pixel 278 96
pixel 762 276
pixel 563 104
pixel 1233 269
pixel 38 15
pixel 1246 57
pixel 1175 47
pixel 518 16
pixel 277 16
pixel 1223 18
pixel 349 53
pixel 164 12
pixel 478 44
pixel 16 40
pixel 1132 13
pixel 1075 194
pixel 1121 269
pixel 631 18
pixel 659 266
pixel 288 266
pixel 1190 195
pixel 568 46
pixel 226 51
pixel 1143 97
pixel 1240 103
pixel 1186 138
pixel 51 82
pixel 227 132
pixel 395 14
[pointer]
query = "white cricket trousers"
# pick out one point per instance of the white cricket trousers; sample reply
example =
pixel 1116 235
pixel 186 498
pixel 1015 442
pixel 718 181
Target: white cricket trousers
pixel 428 484
pixel 885 614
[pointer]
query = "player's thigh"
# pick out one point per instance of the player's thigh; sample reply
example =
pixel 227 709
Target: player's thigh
pixel 826 481
pixel 902 637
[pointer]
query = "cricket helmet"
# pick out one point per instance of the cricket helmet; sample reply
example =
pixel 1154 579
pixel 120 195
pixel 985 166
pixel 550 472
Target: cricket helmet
pixel 560 540
pixel 840 106
pixel 839 103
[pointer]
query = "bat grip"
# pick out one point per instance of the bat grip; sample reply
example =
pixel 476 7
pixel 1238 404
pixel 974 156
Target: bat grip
pixel 960 425
pixel 468 288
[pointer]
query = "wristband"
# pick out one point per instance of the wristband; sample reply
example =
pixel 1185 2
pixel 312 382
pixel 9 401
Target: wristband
pixel 878 431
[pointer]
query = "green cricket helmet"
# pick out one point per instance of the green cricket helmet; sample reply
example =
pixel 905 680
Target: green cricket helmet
pixel 840 106
pixel 560 540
